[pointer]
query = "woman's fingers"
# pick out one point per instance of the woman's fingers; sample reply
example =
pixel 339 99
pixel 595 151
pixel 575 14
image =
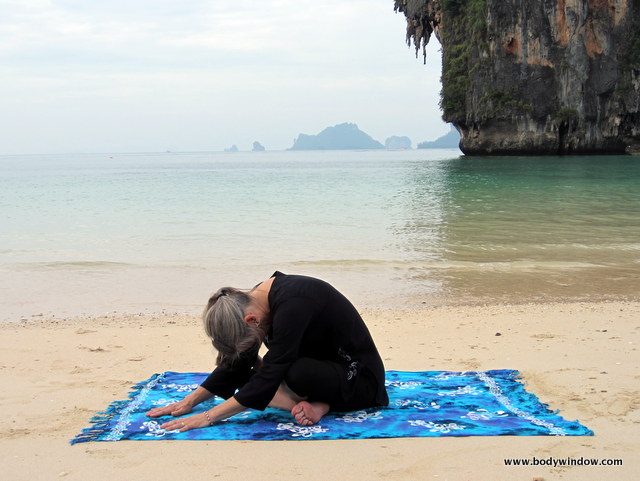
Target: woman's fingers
pixel 176 424
pixel 161 411
pixel 185 424
pixel 182 424
pixel 175 409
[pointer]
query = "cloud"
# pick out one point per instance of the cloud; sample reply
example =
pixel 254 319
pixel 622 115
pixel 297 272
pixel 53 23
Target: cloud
pixel 244 68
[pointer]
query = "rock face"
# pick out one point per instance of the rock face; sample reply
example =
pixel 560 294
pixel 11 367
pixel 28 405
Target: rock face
pixel 339 137
pixel 536 77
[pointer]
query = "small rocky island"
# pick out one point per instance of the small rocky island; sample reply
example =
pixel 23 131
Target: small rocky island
pixel 396 142
pixel 258 147
pixel 537 77
pixel 345 136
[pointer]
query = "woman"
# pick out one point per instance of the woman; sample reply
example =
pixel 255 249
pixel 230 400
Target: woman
pixel 320 355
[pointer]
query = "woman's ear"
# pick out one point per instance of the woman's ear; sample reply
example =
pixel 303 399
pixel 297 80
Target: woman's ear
pixel 251 319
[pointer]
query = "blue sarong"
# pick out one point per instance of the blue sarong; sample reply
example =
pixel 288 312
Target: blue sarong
pixel 422 404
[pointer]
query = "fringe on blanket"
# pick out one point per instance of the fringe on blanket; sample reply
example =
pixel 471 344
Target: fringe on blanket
pixel 101 421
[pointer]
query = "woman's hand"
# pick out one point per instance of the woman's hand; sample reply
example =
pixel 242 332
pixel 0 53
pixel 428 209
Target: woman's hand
pixel 183 407
pixel 176 409
pixel 185 424
pixel 228 408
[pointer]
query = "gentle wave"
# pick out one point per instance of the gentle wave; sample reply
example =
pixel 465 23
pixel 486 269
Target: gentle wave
pixel 54 265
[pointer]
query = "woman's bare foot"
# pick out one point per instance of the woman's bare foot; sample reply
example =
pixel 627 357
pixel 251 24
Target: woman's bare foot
pixel 308 413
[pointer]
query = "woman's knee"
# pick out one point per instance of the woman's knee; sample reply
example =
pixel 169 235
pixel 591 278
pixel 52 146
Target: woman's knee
pixel 298 376
pixel 308 376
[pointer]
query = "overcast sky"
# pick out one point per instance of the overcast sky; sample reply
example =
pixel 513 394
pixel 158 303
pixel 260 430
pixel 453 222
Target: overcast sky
pixel 194 75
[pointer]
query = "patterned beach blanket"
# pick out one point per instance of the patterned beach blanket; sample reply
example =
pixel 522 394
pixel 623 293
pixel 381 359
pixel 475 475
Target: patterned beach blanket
pixel 422 404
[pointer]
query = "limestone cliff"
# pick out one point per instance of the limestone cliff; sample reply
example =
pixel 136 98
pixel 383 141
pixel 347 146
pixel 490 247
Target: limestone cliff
pixel 537 76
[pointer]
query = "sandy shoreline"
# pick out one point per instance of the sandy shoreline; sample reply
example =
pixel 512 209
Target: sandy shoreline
pixel 580 358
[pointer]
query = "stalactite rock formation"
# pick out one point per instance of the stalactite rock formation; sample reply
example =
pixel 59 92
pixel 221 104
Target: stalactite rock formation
pixel 536 77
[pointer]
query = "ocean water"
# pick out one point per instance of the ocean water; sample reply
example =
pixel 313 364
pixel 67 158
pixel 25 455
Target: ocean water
pixel 95 233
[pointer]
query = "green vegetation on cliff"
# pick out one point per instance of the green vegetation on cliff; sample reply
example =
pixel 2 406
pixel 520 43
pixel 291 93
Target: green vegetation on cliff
pixel 465 30
pixel 536 77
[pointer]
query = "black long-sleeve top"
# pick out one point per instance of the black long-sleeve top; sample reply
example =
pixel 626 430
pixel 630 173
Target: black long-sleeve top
pixel 309 318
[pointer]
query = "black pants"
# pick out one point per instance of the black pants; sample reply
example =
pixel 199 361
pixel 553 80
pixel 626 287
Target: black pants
pixel 326 381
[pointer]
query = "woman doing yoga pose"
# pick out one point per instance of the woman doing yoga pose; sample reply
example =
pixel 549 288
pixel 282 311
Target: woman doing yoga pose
pixel 320 355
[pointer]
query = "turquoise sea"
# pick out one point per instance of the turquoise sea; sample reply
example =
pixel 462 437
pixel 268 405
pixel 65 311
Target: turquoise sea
pixel 94 233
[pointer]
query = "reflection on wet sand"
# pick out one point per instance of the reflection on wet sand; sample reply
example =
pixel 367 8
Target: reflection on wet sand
pixel 523 229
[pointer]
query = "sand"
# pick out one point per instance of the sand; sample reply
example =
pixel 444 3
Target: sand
pixel 580 358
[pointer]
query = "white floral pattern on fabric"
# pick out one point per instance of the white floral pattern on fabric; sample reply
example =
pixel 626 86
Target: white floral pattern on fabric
pixel 359 417
pixel 412 403
pixel 242 415
pixel 301 431
pixel 124 420
pixel 446 376
pixel 461 391
pixel 403 384
pixel 180 387
pixel 490 403
pixel 494 388
pixel 155 430
pixel 484 415
pixel 437 427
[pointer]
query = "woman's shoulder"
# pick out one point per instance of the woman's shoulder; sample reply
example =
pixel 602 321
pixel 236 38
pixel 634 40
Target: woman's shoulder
pixel 287 288
pixel 300 284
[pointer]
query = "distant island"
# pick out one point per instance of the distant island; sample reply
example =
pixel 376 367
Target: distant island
pixel 447 141
pixel 397 143
pixel 345 136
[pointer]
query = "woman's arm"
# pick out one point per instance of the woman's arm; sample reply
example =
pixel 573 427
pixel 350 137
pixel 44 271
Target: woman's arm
pixel 182 407
pixel 208 418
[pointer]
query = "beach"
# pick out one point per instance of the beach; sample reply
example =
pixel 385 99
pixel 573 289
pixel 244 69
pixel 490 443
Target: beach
pixel 580 358
pixel 152 156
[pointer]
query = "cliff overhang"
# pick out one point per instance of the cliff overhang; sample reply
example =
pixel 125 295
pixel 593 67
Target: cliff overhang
pixel 538 77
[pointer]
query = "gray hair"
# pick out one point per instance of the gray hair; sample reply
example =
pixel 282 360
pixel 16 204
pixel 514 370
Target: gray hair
pixel 223 320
